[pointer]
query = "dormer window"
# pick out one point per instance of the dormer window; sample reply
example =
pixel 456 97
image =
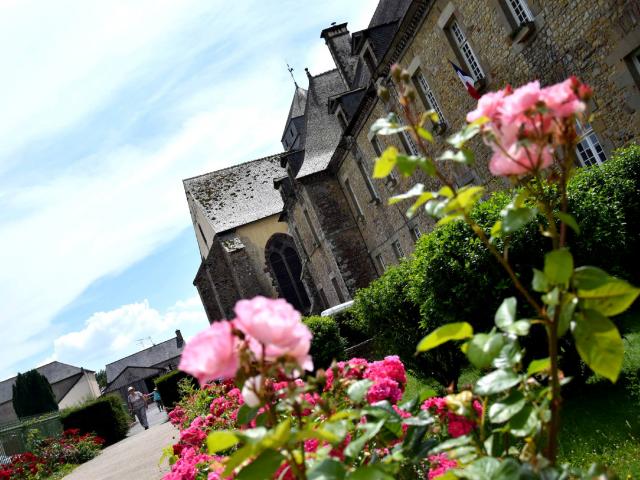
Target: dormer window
pixel 369 60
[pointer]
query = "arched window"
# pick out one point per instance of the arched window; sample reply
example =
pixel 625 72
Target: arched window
pixel 284 264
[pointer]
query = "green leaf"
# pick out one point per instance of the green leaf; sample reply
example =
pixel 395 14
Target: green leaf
pixel 327 469
pixel 416 191
pixel 599 344
pixel 425 134
pixel 246 414
pixel 569 220
pixel 451 331
pixel 558 266
pixel 262 467
pixel 483 348
pixel 506 313
pixel 358 390
pixel 537 366
pixel 464 156
pixel 539 282
pixel 525 422
pixel 504 409
pixel 567 309
pixel 370 430
pixel 590 278
pixel 458 139
pixel 510 356
pixel 484 468
pixel 385 163
pixel 407 164
pixel 465 198
pixel 221 440
pixel 496 381
pixel 369 472
pixel 389 125
pixel 513 219
pixel 611 298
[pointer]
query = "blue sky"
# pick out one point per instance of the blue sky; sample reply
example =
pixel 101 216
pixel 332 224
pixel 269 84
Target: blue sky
pixel 107 106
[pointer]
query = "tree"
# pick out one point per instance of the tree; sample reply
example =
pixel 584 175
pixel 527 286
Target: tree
pixel 101 378
pixel 32 395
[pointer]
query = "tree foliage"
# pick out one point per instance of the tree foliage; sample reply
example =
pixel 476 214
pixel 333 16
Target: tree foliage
pixel 32 395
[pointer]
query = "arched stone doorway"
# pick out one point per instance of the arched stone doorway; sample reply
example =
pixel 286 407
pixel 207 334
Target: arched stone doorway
pixel 283 262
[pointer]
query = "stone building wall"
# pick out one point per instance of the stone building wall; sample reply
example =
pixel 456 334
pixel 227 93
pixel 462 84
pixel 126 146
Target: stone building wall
pixel 586 39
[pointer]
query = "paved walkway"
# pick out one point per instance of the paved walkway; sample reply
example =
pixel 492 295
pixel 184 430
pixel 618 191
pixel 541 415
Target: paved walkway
pixel 134 458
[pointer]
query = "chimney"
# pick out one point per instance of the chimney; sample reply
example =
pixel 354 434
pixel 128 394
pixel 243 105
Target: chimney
pixel 179 339
pixel 338 41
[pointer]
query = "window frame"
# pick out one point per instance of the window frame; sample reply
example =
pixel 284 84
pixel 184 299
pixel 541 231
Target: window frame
pixel 526 11
pixel 409 145
pixel 459 41
pixel 587 136
pixel 353 198
pixel 314 233
pixel 381 263
pixel 428 97
pixel 397 250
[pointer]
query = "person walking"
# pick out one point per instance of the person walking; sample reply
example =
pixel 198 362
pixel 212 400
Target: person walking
pixel 158 399
pixel 138 405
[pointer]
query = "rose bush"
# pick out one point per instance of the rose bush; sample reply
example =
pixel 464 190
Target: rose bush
pixel 256 417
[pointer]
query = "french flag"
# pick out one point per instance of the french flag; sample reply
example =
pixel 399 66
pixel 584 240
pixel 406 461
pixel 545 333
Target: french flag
pixel 467 80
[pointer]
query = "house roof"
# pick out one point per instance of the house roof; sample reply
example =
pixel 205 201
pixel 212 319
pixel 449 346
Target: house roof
pixel 240 194
pixel 131 374
pixel 389 11
pixel 322 128
pixel 54 372
pixel 298 104
pixel 149 357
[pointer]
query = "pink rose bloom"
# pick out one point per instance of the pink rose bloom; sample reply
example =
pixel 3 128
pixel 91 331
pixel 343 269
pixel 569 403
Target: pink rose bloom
pixel 192 436
pixel 212 353
pixel 488 105
pixel 562 99
pixel 459 426
pixel 384 389
pixel 519 102
pixel 391 367
pixel 438 405
pixel 439 465
pixel 520 160
pixel 275 325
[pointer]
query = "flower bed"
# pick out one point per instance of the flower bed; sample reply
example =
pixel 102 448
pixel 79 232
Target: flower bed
pixel 49 455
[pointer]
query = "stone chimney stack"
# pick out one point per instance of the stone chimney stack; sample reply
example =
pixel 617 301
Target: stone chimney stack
pixel 338 40
pixel 179 339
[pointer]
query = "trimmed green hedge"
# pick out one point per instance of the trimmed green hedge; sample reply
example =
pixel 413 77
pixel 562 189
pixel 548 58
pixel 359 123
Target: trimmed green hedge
pixel 327 344
pixel 168 386
pixel 105 416
pixel 452 277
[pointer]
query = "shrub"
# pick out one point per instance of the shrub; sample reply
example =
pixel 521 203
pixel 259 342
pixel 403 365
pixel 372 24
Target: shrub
pixel 105 416
pixel 32 395
pixel 327 344
pixel 353 329
pixel 168 386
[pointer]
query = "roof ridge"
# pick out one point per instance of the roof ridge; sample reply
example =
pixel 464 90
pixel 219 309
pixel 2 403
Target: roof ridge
pixel 267 157
pixel 140 351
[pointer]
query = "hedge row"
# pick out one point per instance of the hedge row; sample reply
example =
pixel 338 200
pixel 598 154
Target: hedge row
pixel 451 277
pixel 168 386
pixel 105 416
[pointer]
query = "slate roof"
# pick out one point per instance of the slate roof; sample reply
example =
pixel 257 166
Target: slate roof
pixel 240 194
pixel 130 375
pixel 148 357
pixel 298 104
pixel 389 11
pixel 322 127
pixel 54 371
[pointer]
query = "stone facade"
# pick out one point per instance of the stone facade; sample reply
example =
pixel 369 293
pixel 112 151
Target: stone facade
pixel 338 217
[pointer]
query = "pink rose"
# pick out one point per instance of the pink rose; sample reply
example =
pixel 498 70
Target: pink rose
pixel 439 465
pixel 192 436
pixel 520 102
pixel 384 389
pixel 275 327
pixel 562 98
pixel 488 105
pixel 520 160
pixel 212 354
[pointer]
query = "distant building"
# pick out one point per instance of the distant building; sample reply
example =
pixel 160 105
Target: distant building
pixel 139 369
pixel 71 386
pixel 336 231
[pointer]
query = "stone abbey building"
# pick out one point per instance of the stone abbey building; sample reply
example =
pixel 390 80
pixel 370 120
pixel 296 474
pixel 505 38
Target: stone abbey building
pixel 310 224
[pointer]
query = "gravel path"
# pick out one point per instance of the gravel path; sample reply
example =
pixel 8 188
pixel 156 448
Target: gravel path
pixel 134 458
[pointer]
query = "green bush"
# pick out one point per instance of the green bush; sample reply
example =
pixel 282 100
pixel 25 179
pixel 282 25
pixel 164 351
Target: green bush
pixel 352 328
pixel 452 277
pixel 105 416
pixel 168 386
pixel 327 344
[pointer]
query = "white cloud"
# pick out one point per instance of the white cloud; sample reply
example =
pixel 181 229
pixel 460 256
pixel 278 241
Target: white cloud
pixel 109 336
